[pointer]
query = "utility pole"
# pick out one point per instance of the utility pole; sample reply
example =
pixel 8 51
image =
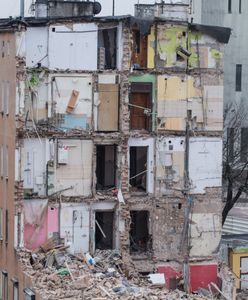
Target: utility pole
pixel 113 12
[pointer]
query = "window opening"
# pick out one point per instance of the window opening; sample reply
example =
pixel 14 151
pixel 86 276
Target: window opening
pixel 238 78
pixel 229 6
pixel 139 53
pixel 244 145
pixel 107 49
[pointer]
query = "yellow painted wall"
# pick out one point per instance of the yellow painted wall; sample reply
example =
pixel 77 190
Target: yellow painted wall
pixel 235 265
pixel 151 49
pixel 173 88
pixel 175 124
pixel 168 39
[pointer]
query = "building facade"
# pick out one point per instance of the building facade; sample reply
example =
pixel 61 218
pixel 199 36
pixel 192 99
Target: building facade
pixel 232 14
pixel 118 141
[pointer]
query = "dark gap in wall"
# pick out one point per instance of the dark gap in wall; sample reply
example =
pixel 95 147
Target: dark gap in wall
pixel 105 166
pixel 139 233
pixel 105 221
pixel 139 53
pixel 138 168
pixel 107 49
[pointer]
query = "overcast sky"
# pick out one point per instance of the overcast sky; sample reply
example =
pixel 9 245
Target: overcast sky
pixel 122 7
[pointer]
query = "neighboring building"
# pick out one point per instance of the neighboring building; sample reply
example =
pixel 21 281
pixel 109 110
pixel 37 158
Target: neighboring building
pixel 234 248
pixel 232 14
pixel 119 131
pixel 11 33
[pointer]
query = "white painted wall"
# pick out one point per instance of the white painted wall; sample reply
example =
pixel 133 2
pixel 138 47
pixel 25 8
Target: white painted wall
pixel 149 142
pixel 74 226
pixel 63 85
pixel 119 47
pixel 205 163
pixel 73 47
pixel 66 84
pixel 37 46
pixel 77 173
pixel 169 155
pixel 36 154
pixel 205 228
pixel 20 44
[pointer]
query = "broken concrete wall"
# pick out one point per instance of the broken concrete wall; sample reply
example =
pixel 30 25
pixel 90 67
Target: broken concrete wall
pixel 228 282
pixel 206 52
pixel 78 225
pixel 205 224
pixel 175 45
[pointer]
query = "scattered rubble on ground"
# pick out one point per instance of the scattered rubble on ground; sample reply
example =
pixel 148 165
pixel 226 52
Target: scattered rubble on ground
pixel 57 274
pixel 243 295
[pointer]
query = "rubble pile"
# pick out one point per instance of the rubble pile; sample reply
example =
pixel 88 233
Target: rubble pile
pixel 56 274
pixel 243 295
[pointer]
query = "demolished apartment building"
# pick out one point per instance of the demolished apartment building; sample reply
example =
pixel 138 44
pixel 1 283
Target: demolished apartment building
pixel 118 139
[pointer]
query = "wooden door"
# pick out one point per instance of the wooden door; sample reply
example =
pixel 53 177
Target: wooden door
pixel 108 107
pixel 139 118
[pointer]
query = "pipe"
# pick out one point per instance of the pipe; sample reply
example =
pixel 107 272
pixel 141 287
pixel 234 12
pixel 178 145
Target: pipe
pixel 22 8
pixel 113 12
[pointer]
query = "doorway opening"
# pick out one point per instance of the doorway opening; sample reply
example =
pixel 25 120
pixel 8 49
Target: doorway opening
pixel 140 106
pixel 139 233
pixel 105 166
pixel 138 168
pixel 104 221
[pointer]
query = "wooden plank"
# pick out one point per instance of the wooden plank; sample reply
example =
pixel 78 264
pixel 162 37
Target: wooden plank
pixel 72 102
pixel 108 107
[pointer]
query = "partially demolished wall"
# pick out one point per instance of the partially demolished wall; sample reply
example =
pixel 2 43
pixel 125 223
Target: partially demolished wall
pixel 128 139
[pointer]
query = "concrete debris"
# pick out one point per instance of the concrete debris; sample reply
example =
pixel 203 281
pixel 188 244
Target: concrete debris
pixel 59 275
pixel 243 295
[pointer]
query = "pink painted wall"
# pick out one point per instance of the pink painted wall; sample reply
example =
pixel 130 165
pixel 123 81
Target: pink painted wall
pixel 37 230
pixel 34 235
pixel 52 221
